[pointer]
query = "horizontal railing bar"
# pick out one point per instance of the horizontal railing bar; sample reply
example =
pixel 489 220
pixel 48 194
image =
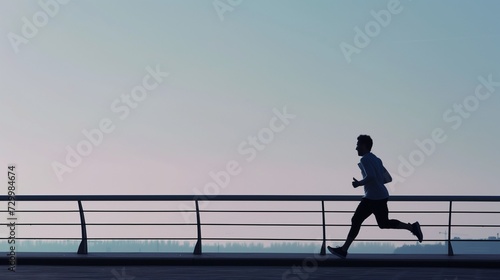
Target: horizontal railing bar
pixel 349 211
pixel 140 211
pixel 413 240
pixel 40 211
pixel 106 238
pixel 249 211
pixel 399 212
pixel 250 239
pixel 312 239
pixel 475 212
pixel 332 225
pixel 454 226
pixel 231 224
pixel 426 225
pixel 138 238
pixel 224 224
pixel 100 211
pixel 269 225
pixel 341 239
pixel 426 211
pixel 422 198
pixel 317 225
pixel 101 224
pixel 314 211
pixel 473 240
pixel 222 211
pixel 260 211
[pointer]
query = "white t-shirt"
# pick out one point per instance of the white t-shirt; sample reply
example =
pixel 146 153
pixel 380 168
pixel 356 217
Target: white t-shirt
pixel 374 177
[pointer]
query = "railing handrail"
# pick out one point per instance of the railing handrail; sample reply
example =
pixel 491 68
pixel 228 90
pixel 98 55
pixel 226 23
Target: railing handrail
pixel 420 198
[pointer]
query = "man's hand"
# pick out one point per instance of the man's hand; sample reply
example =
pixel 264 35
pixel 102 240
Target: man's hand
pixel 355 183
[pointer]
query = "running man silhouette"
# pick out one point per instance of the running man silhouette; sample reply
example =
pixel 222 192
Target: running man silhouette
pixel 375 199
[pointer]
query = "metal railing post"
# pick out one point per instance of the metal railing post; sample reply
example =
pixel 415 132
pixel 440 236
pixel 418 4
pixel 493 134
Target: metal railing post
pixel 323 246
pixel 83 248
pixel 197 247
pixel 450 248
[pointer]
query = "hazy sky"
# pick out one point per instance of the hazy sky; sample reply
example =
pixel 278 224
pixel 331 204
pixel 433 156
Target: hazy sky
pixel 227 71
pixel 302 79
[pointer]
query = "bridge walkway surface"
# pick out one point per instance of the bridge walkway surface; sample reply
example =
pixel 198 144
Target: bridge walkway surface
pixel 137 266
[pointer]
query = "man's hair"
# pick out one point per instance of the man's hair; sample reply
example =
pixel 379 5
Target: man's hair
pixel 366 140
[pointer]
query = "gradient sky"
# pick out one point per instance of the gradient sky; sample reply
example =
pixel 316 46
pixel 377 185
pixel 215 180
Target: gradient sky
pixel 225 79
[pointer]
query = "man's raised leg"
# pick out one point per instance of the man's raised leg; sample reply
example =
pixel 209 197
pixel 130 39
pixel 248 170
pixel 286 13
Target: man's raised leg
pixel 381 213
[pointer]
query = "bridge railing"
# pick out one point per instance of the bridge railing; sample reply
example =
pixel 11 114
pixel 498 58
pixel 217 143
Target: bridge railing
pixel 195 200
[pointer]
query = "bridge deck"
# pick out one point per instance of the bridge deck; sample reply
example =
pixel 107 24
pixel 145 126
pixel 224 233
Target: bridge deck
pixel 32 272
pixel 256 259
pixel 130 266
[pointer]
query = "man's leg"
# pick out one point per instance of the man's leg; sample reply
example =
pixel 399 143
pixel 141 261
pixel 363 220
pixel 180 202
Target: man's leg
pixel 381 212
pixel 382 215
pixel 363 211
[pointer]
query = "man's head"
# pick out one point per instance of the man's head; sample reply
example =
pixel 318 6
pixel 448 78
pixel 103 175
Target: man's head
pixel 364 145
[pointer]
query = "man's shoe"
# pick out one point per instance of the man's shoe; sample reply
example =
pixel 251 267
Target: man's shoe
pixel 417 231
pixel 338 252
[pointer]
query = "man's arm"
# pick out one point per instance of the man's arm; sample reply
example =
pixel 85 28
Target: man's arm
pixel 355 183
pixel 369 171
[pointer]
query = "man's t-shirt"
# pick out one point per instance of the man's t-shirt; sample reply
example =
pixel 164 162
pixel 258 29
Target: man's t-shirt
pixel 374 176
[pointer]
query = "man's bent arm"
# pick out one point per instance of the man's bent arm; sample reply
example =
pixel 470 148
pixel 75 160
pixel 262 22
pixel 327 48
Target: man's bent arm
pixel 369 171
